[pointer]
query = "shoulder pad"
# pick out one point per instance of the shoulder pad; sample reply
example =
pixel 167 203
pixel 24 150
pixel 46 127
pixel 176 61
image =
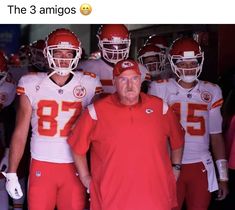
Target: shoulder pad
pixel 209 83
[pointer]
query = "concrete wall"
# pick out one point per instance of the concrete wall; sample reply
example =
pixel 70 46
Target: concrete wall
pixel 40 31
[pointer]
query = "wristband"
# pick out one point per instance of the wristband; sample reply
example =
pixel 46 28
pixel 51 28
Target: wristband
pixel 222 169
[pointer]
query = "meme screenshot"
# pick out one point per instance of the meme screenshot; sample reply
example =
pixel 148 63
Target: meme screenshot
pixel 117 105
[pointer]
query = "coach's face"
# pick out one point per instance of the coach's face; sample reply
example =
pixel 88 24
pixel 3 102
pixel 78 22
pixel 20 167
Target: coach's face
pixel 128 86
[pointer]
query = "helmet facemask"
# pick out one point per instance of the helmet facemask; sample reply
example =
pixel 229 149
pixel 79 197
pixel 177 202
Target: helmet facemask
pixel 63 65
pixel 63 51
pixel 186 73
pixel 115 50
pixel 153 61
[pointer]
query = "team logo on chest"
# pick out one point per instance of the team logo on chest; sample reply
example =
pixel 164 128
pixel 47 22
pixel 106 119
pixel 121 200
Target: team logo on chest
pixel 79 91
pixel 206 96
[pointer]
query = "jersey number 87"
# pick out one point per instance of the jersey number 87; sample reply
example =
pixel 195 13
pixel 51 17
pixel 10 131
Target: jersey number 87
pixel 50 118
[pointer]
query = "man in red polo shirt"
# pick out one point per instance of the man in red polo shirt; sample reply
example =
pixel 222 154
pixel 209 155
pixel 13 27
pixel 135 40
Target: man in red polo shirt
pixel 127 133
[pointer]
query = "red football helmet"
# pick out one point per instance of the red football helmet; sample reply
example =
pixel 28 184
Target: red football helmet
pixel 159 41
pixel 37 57
pixel 62 39
pixel 152 57
pixel 186 49
pixel 3 67
pixel 114 42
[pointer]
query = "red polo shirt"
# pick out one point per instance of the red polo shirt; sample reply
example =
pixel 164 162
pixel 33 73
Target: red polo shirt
pixel 130 164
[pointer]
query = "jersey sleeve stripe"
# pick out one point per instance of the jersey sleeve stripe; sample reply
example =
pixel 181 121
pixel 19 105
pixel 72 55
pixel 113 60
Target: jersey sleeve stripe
pixel 217 103
pixel 89 74
pixel 106 82
pixel 20 90
pixel 98 90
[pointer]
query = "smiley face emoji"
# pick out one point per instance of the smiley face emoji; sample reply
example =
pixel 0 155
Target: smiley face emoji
pixel 85 9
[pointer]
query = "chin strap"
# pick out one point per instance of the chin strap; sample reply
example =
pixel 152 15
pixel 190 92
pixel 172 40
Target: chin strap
pixel 222 169
pixel 55 72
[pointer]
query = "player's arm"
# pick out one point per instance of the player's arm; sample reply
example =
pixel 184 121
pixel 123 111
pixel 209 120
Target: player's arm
pixel 17 146
pixel 217 141
pixel 19 136
pixel 218 149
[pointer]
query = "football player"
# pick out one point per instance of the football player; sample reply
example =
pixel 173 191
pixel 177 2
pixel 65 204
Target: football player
pixel 114 44
pixel 153 59
pixel 51 102
pixel 197 104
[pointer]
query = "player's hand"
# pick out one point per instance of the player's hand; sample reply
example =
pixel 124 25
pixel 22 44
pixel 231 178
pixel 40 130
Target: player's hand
pixel 4 161
pixel 13 186
pixel 223 190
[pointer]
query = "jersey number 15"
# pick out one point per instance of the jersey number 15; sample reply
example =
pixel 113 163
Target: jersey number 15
pixel 192 117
